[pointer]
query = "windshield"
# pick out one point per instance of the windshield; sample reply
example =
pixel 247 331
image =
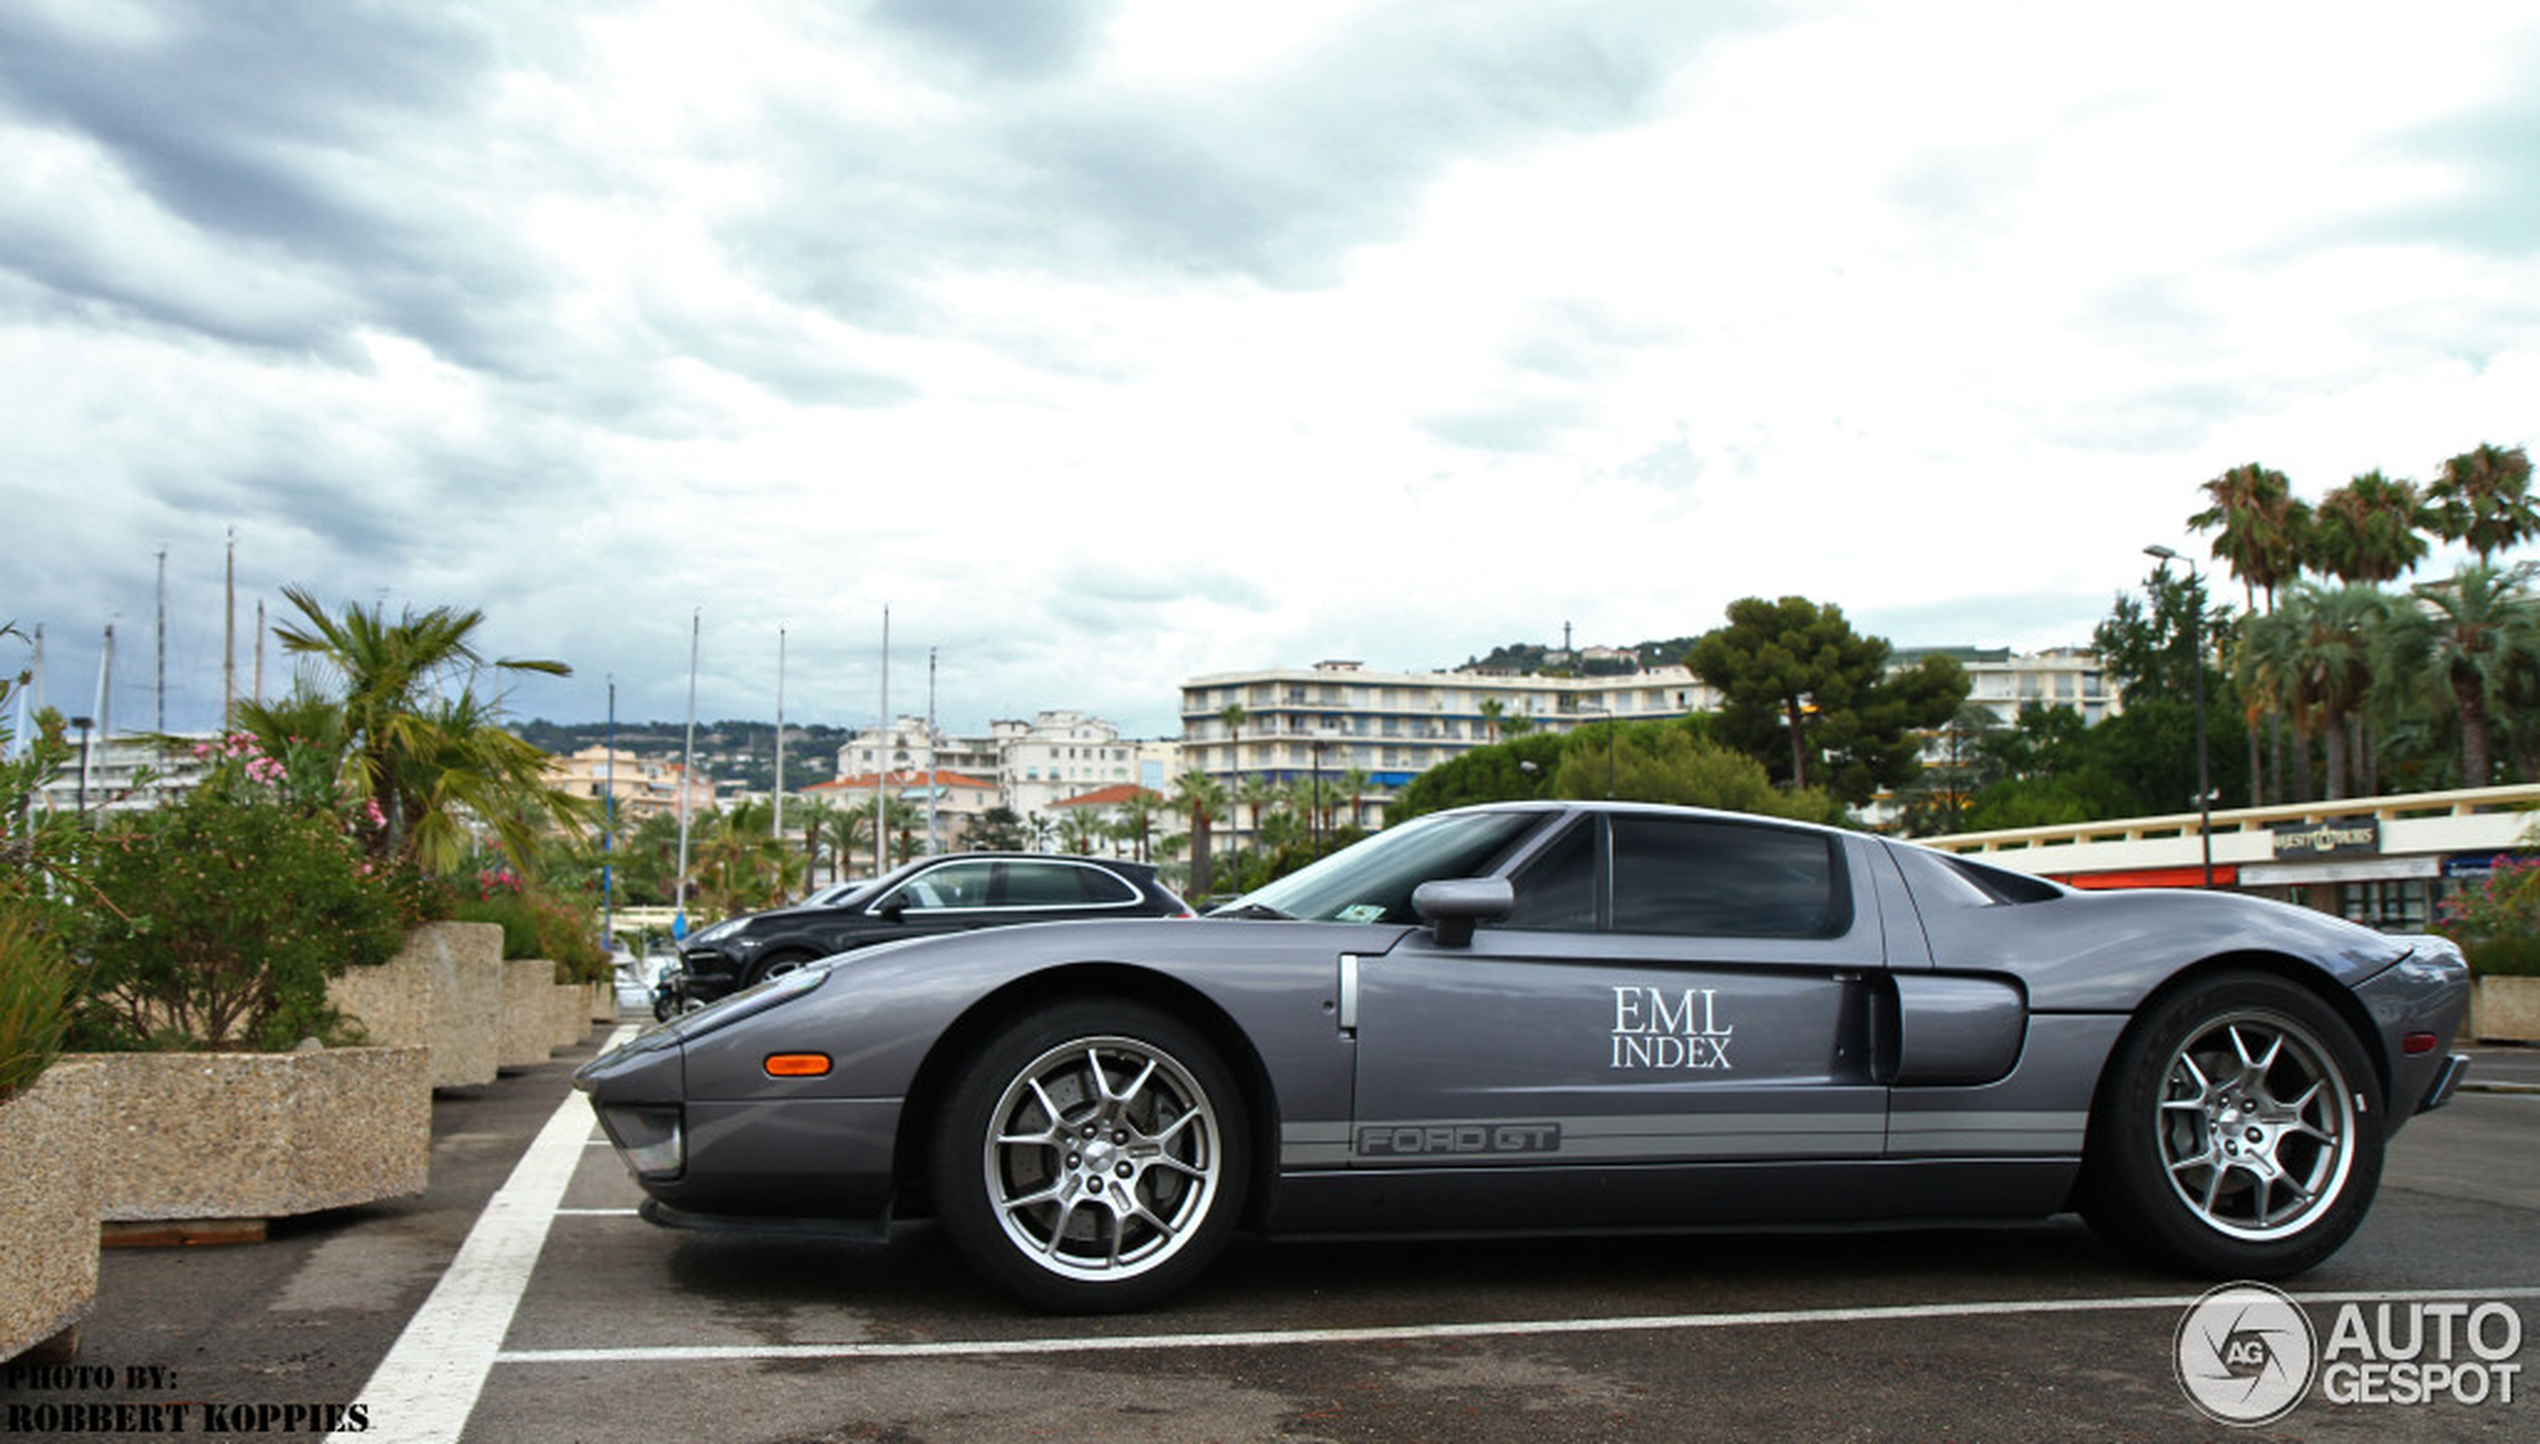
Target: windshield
pixel 1372 882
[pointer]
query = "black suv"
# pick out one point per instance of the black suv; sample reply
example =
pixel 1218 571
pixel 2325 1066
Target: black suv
pixel 944 894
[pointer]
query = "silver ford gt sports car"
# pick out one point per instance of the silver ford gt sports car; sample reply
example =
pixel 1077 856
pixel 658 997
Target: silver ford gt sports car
pixel 1562 1016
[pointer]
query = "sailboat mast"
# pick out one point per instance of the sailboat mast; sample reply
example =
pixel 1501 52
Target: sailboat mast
pixel 687 774
pixel 778 827
pixel 882 755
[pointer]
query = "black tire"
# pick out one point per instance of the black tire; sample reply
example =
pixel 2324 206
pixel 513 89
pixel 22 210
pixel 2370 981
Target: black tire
pixel 2238 1132
pixel 1085 1196
pixel 776 966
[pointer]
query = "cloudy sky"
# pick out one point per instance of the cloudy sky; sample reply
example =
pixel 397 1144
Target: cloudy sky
pixel 1113 342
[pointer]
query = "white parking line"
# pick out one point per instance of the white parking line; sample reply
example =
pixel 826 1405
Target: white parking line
pixel 427 1386
pixel 1413 1333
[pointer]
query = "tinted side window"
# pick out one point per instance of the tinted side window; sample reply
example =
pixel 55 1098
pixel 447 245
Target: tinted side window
pixel 954 885
pixel 1556 890
pixel 1726 879
pixel 1059 884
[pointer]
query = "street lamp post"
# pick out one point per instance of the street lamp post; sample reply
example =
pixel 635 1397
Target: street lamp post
pixel 79 792
pixel 2196 655
pixel 1314 814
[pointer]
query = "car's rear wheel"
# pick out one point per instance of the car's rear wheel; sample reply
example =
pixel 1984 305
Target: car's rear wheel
pixel 1093 1157
pixel 2239 1133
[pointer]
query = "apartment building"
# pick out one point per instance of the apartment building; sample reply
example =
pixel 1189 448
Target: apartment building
pixel 1058 754
pixel 642 788
pixel 2003 681
pixel 128 771
pixel 1333 717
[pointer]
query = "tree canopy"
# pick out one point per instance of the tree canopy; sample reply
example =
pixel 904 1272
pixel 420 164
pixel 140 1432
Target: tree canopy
pixel 1815 702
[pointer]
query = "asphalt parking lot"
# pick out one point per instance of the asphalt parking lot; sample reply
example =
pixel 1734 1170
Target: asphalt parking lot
pixel 520 1299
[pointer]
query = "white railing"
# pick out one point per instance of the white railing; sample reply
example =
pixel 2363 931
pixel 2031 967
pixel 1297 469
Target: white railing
pixel 2498 805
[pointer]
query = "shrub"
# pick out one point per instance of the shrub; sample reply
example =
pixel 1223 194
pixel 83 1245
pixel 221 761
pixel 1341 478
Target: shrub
pixel 2497 923
pixel 35 994
pixel 537 924
pixel 237 910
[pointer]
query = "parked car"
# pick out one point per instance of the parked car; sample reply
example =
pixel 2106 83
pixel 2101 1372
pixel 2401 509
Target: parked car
pixel 958 892
pixel 1562 1015
pixel 833 894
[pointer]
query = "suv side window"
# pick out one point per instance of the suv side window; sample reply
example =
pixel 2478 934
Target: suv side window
pixel 1063 884
pixel 954 885
pixel 1727 879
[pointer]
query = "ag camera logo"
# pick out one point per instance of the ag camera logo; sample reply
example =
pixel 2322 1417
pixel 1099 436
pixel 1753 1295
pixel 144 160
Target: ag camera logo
pixel 2245 1354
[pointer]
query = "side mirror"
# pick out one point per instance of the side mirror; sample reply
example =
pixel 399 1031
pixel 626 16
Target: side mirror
pixel 892 908
pixel 1451 907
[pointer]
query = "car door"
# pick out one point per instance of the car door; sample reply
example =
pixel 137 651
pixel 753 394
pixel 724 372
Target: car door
pixel 1667 989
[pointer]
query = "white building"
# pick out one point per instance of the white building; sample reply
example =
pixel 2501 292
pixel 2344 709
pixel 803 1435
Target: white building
pixel 129 771
pixel 1058 754
pixel 2003 681
pixel 1333 717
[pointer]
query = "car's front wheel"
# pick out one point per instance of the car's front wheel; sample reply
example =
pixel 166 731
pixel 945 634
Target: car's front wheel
pixel 775 967
pixel 2238 1135
pixel 1093 1157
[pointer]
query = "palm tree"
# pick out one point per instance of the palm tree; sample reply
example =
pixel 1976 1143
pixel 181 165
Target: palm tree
pixel 647 858
pixel 741 864
pixel 456 764
pixel 388 675
pixel 1260 793
pixel 842 827
pixel 813 817
pixel 2483 498
pixel 900 820
pixel 1352 787
pixel 1234 716
pixel 2262 523
pixel 1492 710
pixel 1136 821
pixel 2475 636
pixel 1202 798
pixel 2318 650
pixel 2369 530
pixel 1077 831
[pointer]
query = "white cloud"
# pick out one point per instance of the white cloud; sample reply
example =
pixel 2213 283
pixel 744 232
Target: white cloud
pixel 1123 347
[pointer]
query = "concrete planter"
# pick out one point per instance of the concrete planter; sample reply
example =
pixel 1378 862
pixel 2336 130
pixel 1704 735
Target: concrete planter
pixel 567 1003
pixel 2505 1009
pixel 443 991
pixel 528 1023
pixel 603 1010
pixel 48 1249
pixel 254 1135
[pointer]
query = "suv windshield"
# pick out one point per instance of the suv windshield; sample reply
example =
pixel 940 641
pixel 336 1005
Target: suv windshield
pixel 1372 882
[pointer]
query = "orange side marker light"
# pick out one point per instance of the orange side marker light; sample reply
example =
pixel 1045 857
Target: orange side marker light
pixel 797 1065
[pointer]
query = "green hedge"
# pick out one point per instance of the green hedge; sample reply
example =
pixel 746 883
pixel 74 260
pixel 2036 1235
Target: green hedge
pixel 538 926
pixel 2515 955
